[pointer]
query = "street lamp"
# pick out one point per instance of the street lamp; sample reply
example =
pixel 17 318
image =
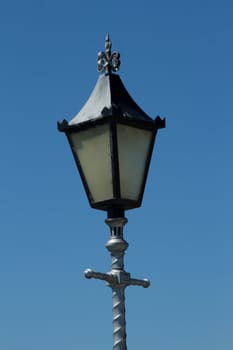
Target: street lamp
pixel 112 140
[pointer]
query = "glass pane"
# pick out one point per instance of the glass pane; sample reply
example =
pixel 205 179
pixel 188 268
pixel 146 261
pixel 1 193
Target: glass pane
pixel 92 147
pixel 133 147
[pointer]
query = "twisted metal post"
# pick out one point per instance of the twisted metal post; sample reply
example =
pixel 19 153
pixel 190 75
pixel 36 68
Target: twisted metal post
pixel 119 323
pixel 118 279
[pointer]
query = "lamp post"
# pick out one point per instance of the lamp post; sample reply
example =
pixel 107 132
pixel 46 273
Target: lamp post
pixel 112 140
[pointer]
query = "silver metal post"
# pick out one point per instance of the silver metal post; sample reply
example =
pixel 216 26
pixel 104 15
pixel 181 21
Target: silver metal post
pixel 118 279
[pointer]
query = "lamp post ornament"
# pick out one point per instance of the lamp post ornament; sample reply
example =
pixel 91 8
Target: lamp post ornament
pixel 118 279
pixel 112 140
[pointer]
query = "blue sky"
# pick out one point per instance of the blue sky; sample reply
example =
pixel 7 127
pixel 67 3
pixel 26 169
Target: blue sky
pixel 176 62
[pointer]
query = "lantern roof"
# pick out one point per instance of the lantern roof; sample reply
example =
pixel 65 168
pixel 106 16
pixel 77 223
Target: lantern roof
pixel 110 97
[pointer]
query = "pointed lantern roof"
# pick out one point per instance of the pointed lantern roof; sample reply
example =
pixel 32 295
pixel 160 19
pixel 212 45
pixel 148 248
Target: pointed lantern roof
pixel 110 97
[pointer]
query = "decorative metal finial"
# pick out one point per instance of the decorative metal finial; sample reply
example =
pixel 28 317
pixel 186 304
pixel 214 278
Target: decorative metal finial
pixel 108 62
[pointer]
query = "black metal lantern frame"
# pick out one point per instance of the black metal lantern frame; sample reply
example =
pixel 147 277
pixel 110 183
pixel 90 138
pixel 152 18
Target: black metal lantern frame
pixel 113 117
pixel 114 180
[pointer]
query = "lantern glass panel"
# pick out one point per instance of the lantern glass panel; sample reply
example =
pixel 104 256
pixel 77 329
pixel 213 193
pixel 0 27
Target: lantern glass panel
pixel 133 148
pixel 92 148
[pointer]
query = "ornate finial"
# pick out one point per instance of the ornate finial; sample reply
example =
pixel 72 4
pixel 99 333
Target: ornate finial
pixel 108 62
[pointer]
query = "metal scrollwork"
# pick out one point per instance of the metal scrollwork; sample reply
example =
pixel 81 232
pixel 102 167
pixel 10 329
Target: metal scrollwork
pixel 108 62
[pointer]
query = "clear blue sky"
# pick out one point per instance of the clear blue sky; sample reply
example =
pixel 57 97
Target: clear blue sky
pixel 177 61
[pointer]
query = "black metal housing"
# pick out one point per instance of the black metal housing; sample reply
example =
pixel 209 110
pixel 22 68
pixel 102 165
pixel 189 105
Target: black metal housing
pixel 111 104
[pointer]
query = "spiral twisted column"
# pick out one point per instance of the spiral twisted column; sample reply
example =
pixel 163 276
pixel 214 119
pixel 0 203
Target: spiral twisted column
pixel 118 279
pixel 119 324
